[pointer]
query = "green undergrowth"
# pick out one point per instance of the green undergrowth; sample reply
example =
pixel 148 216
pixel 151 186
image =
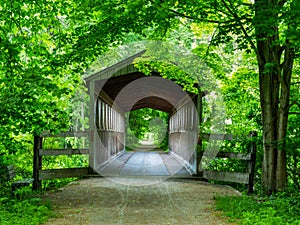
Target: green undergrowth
pixel 26 208
pixel 248 210
pixel 29 211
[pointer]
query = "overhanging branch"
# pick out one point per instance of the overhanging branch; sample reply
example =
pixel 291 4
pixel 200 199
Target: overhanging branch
pixel 205 20
pixel 238 19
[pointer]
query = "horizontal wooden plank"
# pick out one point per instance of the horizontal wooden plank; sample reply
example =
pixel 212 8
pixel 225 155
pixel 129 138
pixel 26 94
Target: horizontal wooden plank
pixel 62 173
pixel 11 172
pixel 233 155
pixel 226 176
pixel 11 168
pixel 66 134
pixel 55 152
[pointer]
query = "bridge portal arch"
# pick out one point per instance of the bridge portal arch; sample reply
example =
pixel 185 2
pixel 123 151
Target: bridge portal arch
pixel 121 88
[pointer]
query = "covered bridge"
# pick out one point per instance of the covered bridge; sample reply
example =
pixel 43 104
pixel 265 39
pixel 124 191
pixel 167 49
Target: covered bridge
pixel 122 88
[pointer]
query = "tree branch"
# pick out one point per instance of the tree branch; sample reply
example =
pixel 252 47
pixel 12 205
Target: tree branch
pixel 208 21
pixel 235 15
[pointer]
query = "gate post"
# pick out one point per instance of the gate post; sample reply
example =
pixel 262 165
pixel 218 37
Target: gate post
pixel 37 162
pixel 251 162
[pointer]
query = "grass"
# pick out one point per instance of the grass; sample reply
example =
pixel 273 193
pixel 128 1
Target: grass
pixel 23 212
pixel 24 209
pixel 246 210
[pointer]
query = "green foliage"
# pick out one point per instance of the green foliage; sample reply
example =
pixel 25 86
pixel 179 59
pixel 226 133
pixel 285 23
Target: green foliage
pixel 63 161
pixel 261 210
pixel 293 133
pixel 241 96
pixel 171 72
pixel 147 124
pixel 46 46
pixel 24 212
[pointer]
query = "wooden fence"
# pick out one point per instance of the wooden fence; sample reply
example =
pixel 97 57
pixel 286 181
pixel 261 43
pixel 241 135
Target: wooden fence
pixel 39 152
pixel 40 174
pixel 246 177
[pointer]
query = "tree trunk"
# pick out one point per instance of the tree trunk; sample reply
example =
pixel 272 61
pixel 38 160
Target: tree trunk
pixel 285 81
pixel 269 103
pixel 275 80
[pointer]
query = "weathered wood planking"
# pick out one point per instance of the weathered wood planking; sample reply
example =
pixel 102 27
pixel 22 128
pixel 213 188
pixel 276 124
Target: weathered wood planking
pixel 66 134
pixel 63 173
pixel 56 152
pixel 7 173
pixel 235 177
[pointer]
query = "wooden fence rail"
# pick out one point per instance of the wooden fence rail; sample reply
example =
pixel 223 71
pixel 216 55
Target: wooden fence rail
pixel 39 174
pixel 39 152
pixel 246 177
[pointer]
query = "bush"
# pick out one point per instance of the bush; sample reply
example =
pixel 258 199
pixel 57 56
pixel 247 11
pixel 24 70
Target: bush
pixel 28 212
pixel 261 211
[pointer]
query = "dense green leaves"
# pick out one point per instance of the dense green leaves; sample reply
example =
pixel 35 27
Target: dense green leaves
pixel 273 210
pixel 46 45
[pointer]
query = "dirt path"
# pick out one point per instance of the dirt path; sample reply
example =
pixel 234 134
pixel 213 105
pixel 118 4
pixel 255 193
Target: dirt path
pixel 98 201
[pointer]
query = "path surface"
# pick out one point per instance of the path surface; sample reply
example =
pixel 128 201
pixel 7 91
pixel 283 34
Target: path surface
pixel 101 201
pixel 143 163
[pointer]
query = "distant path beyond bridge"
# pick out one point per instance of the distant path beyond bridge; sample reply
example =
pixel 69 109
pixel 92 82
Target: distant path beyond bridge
pixel 100 201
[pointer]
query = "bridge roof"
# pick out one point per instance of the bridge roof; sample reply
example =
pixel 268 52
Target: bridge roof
pixel 124 85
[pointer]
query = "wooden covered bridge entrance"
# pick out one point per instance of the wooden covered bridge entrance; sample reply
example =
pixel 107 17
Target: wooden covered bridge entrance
pixel 122 88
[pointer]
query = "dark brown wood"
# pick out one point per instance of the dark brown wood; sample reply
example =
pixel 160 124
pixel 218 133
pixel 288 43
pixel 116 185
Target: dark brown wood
pixel 56 152
pixel 235 177
pixel 37 163
pixel 67 134
pixel 63 173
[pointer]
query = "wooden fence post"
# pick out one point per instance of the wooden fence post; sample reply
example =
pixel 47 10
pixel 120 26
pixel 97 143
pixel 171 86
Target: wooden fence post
pixel 251 162
pixel 37 163
pixel 199 152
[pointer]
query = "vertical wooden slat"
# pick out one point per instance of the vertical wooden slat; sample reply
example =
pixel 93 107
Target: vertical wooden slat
pixel 97 114
pixel 100 114
pixel 104 116
pixel 92 124
pixel 37 163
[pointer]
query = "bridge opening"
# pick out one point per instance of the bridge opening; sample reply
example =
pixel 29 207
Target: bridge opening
pixel 147 130
pixel 122 100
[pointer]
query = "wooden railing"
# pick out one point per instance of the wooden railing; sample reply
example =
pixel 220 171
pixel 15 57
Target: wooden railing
pixel 40 174
pixel 246 177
